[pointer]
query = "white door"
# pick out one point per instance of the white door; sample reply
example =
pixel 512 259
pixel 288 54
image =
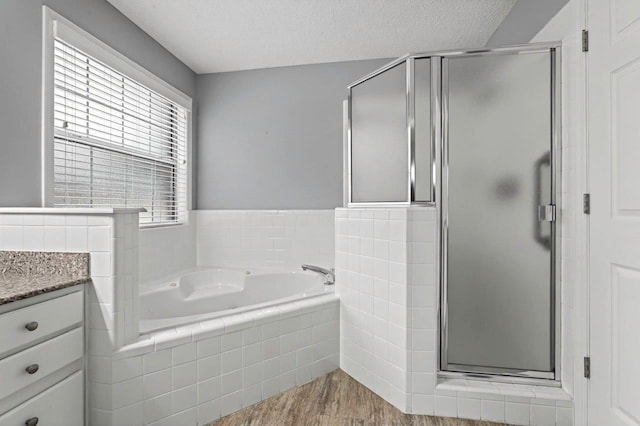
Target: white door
pixel 614 172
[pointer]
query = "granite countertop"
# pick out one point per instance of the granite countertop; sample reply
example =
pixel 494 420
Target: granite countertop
pixel 28 274
pixel 17 286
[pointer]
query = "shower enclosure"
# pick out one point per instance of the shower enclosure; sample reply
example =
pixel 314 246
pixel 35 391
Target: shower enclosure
pixel 474 133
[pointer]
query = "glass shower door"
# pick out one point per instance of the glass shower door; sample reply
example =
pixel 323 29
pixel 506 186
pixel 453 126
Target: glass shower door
pixel 498 234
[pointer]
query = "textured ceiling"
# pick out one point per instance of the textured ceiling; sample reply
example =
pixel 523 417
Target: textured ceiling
pixel 228 35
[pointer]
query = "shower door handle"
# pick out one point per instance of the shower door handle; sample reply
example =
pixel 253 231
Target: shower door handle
pixel 544 212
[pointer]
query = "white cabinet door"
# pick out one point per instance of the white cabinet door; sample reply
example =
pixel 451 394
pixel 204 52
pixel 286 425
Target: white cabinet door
pixel 614 172
pixel 24 326
pixel 27 367
pixel 60 405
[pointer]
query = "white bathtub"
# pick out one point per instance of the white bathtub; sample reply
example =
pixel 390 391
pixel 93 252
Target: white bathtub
pixel 205 293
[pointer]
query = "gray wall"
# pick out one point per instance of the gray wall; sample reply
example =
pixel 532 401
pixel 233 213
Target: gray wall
pixel 20 82
pixel 524 21
pixel 272 138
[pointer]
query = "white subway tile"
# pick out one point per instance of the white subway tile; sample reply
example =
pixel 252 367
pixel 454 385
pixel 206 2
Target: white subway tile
pixel 129 415
pixel 54 220
pixel 209 390
pixel 100 343
pixel 543 415
pixel 271 347
pixel 99 238
pixel 208 367
pixel 251 335
pixel 423 404
pixel 76 220
pixel 101 396
pixel 381 229
pixel 156 361
pixel 305 337
pixel 183 375
pixel 231 341
pixel 156 408
pixel 251 354
pixel 564 416
pixel 77 239
pixel 127 368
pixel 468 408
pixel 270 387
pixel 99 369
pixel 13 219
pixel 516 413
pixel 231 361
pixel 157 383
pixel 208 411
pixel 208 347
pixel 101 265
pixel 183 353
pixel 493 410
pixel 12 237
pixel 33 238
pixel 183 399
pixel 231 403
pixel 55 237
pixel 445 406
pixel 251 395
pixel 127 392
pixel 398 231
pixel 231 382
pixel 287 381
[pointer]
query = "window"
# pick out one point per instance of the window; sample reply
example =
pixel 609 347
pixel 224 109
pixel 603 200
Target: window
pixel 116 142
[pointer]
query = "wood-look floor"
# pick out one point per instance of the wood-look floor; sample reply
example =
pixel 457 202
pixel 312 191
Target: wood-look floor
pixel 333 400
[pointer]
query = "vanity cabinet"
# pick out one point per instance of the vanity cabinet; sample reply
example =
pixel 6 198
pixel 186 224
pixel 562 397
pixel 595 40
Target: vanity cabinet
pixel 42 360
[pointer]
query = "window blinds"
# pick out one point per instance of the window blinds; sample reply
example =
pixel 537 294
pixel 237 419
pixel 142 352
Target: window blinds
pixel 116 142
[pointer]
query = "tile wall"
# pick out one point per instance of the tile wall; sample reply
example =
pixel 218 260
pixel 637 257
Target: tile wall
pixel 167 250
pixel 389 339
pixel 371 274
pixel 191 374
pixel 423 309
pixel 111 240
pixel 265 238
pixel 195 374
pixel 112 300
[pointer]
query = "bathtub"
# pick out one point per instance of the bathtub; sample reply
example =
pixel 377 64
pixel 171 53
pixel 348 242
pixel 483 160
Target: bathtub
pixel 206 293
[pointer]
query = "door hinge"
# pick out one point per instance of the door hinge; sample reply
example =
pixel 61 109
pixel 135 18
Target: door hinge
pixel 587 367
pixel 585 40
pixel 586 203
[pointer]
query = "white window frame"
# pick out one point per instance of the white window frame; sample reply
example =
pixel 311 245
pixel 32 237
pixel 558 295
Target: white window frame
pixel 55 25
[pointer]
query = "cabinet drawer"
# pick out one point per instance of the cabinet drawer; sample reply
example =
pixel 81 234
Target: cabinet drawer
pixel 60 405
pixel 44 358
pixel 23 326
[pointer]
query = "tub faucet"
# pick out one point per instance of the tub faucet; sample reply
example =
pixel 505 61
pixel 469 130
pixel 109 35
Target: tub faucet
pixel 329 274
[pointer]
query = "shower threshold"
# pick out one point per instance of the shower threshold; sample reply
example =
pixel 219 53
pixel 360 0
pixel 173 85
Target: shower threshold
pixel 540 378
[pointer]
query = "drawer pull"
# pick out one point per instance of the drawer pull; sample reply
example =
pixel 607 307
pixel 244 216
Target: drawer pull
pixel 33 421
pixel 31 326
pixel 32 369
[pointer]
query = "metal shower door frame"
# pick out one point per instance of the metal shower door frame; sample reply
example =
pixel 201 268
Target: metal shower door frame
pixel 409 62
pixel 442 174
